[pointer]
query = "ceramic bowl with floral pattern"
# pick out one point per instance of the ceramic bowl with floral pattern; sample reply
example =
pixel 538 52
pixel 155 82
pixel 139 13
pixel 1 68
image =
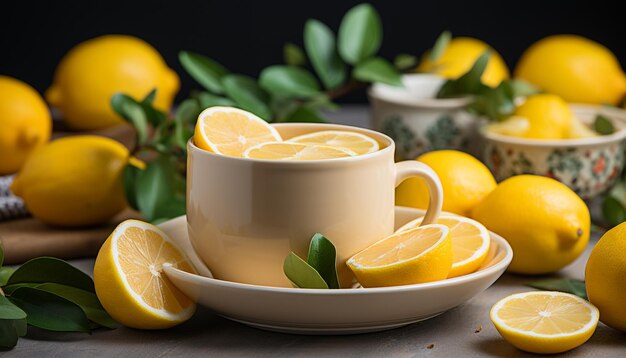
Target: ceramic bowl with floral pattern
pixel 418 122
pixel 588 165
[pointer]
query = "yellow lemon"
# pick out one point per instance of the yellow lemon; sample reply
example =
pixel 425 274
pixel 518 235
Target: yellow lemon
pixel 295 151
pixel 231 131
pixel 465 180
pixel 548 115
pixel 459 57
pixel 94 70
pixel 25 123
pixel 605 275
pixel 470 242
pixel 578 129
pixel 129 279
pixel 418 255
pixel 513 126
pixel 74 181
pixel 575 68
pixel 545 222
pixel 545 322
pixel 356 142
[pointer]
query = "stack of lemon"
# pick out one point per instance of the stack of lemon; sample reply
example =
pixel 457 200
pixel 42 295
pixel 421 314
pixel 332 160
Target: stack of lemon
pixel 234 132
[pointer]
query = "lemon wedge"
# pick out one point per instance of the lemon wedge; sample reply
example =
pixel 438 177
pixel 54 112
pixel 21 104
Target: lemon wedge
pixel 129 280
pixel 470 242
pixel 231 131
pixel 418 255
pixel 356 142
pixel 295 151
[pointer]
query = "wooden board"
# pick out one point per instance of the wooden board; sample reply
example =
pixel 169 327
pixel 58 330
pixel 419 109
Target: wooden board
pixel 26 238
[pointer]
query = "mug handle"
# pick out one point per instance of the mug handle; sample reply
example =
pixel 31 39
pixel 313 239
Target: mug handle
pixel 412 169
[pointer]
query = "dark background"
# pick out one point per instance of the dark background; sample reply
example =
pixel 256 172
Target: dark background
pixel 246 36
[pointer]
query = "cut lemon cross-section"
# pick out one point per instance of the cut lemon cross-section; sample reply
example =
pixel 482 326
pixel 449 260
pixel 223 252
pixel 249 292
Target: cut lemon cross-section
pixel 422 254
pixel 230 131
pixel 356 142
pixel 295 151
pixel 129 279
pixel 545 322
pixel 470 242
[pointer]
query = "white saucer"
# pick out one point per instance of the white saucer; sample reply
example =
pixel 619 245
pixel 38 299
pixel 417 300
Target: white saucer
pixel 343 311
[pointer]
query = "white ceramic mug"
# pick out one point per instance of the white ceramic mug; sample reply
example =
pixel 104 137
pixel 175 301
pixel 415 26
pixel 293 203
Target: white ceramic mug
pixel 246 215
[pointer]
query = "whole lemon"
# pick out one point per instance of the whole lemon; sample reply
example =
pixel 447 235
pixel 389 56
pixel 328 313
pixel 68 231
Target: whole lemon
pixel 575 68
pixel 25 123
pixel 459 57
pixel 465 181
pixel 94 70
pixel 74 181
pixel 545 222
pixel 605 277
pixel 548 115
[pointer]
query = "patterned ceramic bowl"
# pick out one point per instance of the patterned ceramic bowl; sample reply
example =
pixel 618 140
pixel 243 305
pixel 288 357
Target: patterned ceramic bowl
pixel 418 122
pixel 589 166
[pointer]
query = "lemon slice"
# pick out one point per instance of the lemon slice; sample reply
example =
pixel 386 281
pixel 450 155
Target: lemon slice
pixel 422 254
pixel 129 279
pixel 545 322
pixel 513 126
pixel 578 129
pixel 470 242
pixel 356 142
pixel 230 131
pixel 295 151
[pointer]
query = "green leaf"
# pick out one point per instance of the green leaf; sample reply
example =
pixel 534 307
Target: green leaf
pixel 207 100
pixel 48 311
pixel 518 88
pixel 10 331
pixel 293 55
pixel 404 61
pixel 9 289
pixel 360 34
pixel 130 175
pixel 87 301
pixel 204 70
pixel 377 70
pixel 188 111
pixel 53 270
pixel 289 81
pixel 247 95
pixel 321 101
pixel 5 273
pixel 603 125
pixel 160 193
pixel 150 97
pixel 323 258
pixel 319 42
pixel 10 311
pixel 469 83
pixel 133 112
pixel 567 285
pixel 305 115
pixel 613 211
pixel 441 44
pixel 301 274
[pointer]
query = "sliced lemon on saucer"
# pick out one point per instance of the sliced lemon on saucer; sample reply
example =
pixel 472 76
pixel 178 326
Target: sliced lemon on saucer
pixel 545 322
pixel 470 242
pixel 295 151
pixel 418 255
pixel 230 131
pixel 129 278
pixel 356 142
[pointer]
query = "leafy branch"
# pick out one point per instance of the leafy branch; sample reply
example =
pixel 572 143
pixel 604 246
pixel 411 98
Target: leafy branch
pixel 328 67
pixel 49 294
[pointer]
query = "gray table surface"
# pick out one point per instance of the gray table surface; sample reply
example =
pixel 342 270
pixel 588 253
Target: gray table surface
pixel 465 331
